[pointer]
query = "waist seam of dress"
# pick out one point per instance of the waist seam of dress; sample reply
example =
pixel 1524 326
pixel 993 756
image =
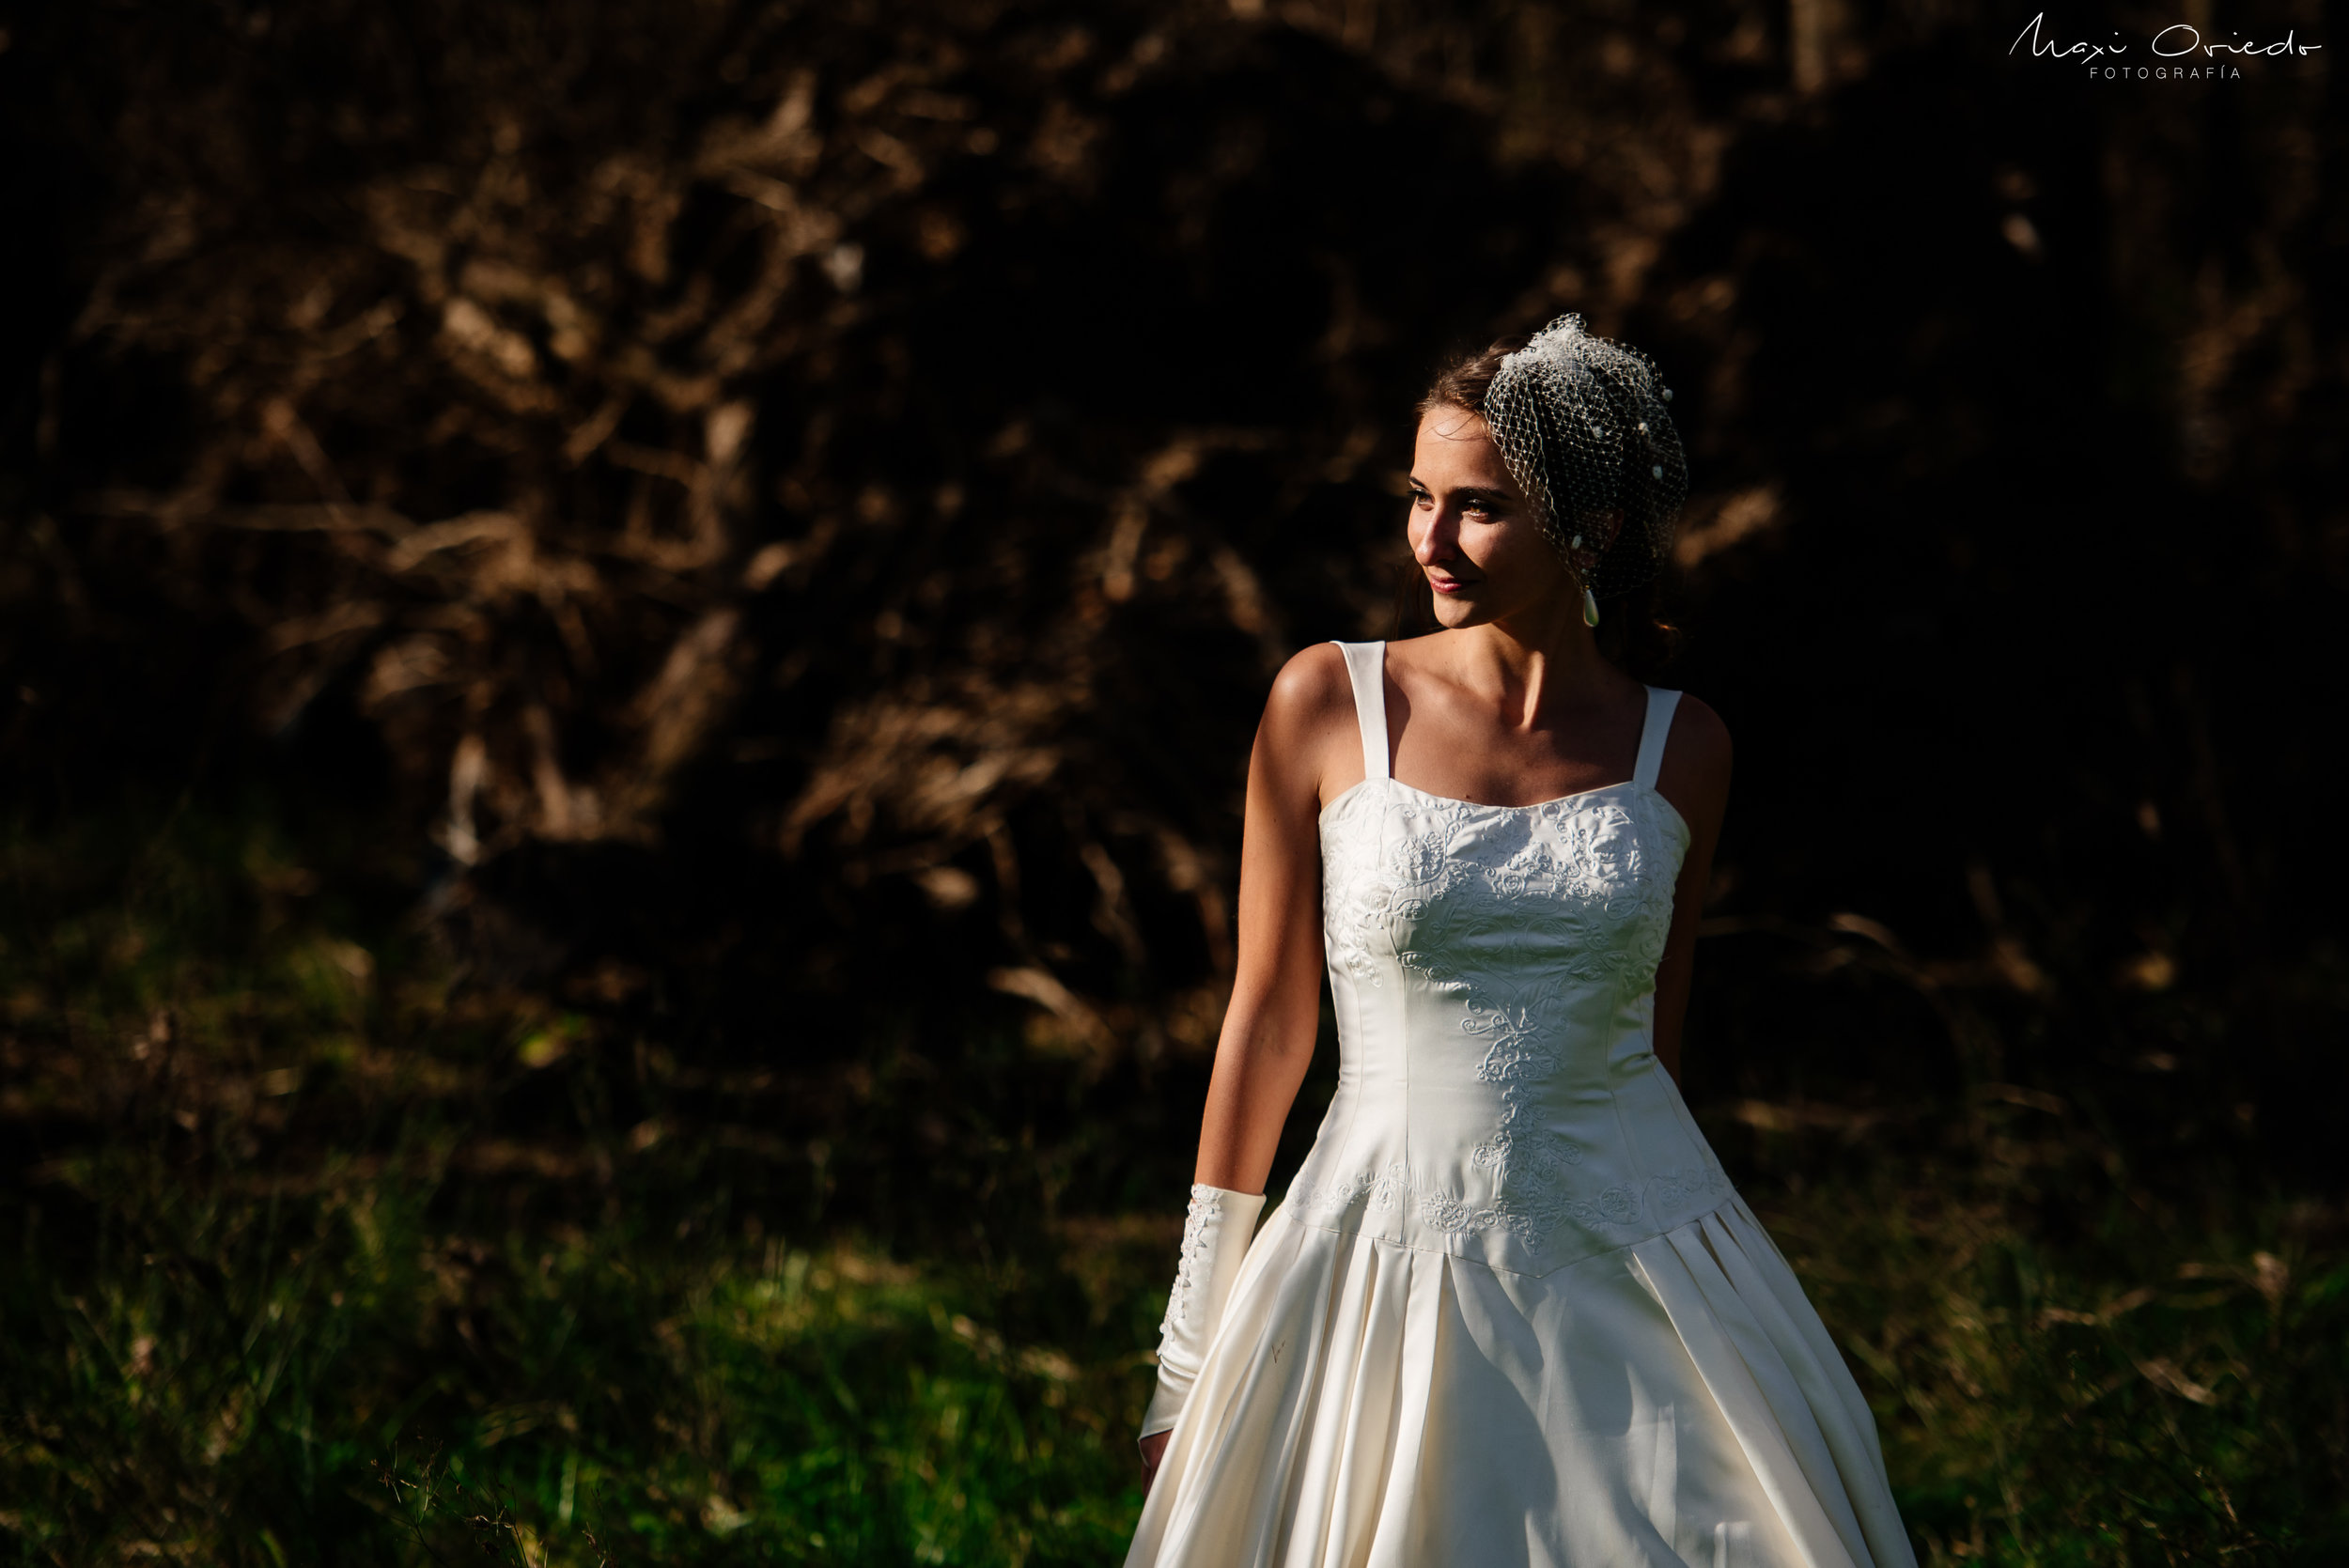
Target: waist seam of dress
pixel 1491 1268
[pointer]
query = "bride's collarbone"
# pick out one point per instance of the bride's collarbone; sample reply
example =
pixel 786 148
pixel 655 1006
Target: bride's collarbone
pixel 1492 769
pixel 1438 744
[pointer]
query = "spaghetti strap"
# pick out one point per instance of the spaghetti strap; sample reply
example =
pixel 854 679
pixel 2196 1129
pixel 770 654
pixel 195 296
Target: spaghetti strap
pixel 1366 668
pixel 1653 734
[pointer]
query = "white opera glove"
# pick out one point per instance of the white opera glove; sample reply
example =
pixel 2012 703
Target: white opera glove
pixel 1216 1234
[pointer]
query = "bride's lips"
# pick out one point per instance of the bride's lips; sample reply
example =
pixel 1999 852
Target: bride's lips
pixel 1446 584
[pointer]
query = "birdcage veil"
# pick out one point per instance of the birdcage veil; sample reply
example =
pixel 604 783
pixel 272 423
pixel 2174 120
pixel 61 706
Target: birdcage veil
pixel 1582 425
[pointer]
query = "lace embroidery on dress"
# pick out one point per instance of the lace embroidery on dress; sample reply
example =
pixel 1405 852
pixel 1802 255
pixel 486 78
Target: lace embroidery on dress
pixel 1676 1188
pixel 1354 910
pixel 1459 882
pixel 1578 877
pixel 1534 1221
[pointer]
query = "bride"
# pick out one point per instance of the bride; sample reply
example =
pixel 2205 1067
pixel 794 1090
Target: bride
pixel 1511 1311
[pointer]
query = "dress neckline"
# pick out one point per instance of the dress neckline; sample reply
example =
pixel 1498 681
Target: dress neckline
pixel 1651 790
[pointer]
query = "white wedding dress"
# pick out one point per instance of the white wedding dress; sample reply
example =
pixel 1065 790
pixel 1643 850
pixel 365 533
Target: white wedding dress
pixel 1511 1311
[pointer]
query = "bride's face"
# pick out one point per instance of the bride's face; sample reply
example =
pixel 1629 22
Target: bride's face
pixel 1472 532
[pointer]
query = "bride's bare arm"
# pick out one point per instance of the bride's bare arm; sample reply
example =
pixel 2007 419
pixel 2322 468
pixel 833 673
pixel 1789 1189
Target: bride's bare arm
pixel 1302 749
pixel 1695 779
pixel 1268 1032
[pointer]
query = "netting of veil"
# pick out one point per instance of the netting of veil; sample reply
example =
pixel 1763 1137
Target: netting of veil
pixel 1583 425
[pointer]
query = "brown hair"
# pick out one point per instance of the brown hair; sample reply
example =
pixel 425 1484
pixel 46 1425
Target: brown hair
pixel 1632 634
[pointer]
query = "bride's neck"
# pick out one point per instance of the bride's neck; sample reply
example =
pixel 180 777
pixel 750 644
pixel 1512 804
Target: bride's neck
pixel 1527 663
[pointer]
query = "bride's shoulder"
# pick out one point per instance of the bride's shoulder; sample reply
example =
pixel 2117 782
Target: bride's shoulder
pixel 1699 732
pixel 1312 688
pixel 1694 775
pixel 1307 735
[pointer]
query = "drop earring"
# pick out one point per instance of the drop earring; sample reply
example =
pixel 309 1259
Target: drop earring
pixel 1589 604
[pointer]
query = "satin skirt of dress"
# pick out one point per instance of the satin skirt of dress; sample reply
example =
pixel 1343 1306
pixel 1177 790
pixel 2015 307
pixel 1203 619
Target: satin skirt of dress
pixel 1368 1405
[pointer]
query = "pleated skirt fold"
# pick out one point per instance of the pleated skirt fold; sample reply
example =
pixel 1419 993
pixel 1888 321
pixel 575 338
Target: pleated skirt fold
pixel 1367 1405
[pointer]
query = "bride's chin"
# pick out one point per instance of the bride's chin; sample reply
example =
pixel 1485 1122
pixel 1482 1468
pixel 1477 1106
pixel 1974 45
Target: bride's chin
pixel 1455 613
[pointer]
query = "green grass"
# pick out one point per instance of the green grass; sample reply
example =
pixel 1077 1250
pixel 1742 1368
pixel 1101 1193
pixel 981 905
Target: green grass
pixel 314 1255
pixel 331 1377
pixel 2116 1385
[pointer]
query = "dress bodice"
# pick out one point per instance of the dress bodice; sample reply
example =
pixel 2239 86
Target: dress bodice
pixel 1494 974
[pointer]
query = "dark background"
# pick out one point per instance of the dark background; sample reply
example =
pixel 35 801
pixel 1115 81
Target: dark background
pixel 768 528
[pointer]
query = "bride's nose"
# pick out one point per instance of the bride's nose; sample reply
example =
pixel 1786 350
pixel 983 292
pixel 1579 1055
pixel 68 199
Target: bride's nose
pixel 1437 539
